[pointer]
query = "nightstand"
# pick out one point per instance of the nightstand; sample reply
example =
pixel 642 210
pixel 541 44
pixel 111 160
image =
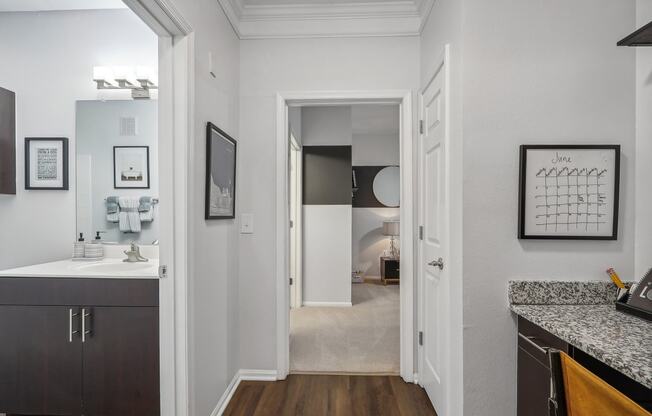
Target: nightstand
pixel 390 270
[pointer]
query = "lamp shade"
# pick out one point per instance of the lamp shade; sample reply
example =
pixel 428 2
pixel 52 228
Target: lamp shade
pixel 391 228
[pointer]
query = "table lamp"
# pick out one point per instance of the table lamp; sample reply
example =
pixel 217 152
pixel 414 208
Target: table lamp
pixel 392 229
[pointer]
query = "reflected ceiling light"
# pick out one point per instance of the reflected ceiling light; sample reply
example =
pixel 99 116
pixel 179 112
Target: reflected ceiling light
pixel 139 80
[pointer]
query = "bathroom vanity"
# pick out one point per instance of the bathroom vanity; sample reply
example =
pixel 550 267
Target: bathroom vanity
pixel 80 339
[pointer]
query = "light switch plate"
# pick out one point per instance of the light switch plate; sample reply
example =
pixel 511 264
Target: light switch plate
pixel 246 223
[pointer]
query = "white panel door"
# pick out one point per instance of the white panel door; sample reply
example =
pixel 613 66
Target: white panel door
pixel 433 244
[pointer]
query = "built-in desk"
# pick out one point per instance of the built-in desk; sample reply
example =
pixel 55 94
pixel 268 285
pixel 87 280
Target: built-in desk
pixel 580 319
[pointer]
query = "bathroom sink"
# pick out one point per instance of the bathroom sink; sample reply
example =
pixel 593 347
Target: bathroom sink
pixel 115 267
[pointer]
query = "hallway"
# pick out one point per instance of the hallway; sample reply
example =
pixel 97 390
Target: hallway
pixel 324 395
pixel 364 338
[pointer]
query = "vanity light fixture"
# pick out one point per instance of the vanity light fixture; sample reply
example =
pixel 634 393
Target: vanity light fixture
pixel 139 80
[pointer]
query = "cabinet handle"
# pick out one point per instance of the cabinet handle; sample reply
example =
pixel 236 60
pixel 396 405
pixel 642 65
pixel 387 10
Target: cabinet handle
pixel 71 315
pixel 544 350
pixel 84 332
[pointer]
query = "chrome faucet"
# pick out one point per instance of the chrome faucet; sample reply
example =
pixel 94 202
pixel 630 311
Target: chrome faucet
pixel 133 255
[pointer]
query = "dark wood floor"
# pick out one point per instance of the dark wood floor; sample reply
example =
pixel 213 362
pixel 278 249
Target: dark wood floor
pixel 330 395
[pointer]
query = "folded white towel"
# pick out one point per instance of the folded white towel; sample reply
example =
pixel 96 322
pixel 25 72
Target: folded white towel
pixel 129 215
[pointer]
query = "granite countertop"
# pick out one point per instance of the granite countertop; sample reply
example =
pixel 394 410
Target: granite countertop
pixel 583 314
pixel 621 341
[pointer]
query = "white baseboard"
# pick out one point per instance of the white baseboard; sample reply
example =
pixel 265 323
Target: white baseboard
pixel 241 375
pixel 329 304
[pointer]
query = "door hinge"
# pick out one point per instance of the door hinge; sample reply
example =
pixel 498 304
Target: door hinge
pixel 291 224
pixel 291 281
pixel 162 271
pixel 420 337
pixel 420 126
pixel 421 232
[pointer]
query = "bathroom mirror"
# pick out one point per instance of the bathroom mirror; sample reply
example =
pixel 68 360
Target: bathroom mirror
pixel 387 186
pixel 117 170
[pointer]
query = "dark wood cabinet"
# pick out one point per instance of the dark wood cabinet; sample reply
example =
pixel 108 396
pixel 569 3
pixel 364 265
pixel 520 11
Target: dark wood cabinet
pixel 120 361
pixel 533 371
pixel 85 347
pixel 390 270
pixel 40 369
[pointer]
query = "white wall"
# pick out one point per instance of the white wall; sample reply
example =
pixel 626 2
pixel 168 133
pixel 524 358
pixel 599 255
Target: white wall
pixel 643 146
pixel 327 254
pixel 534 72
pixel 213 284
pixel 268 67
pixel 97 131
pixel 326 126
pixel 369 243
pixel 39 226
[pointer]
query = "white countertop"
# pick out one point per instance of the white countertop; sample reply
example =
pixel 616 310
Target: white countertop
pixel 111 267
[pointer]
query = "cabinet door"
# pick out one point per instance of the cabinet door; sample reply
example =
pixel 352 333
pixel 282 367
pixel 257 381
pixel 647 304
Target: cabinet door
pixel 40 369
pixel 533 386
pixel 121 362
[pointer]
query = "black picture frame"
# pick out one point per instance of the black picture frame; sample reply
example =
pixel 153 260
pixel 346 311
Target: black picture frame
pixel 210 129
pixel 523 190
pixel 64 161
pixel 115 173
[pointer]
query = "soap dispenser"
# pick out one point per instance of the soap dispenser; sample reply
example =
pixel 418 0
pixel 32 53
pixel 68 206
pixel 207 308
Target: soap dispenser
pixel 78 248
pixel 95 250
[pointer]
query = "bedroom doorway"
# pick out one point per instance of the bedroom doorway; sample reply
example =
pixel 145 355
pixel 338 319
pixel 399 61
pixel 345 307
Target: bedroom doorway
pixel 358 322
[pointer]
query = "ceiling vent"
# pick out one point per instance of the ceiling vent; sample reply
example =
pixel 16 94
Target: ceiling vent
pixel 128 126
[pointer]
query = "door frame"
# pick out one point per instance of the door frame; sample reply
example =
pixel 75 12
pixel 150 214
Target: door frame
pixel 454 197
pixel 175 127
pixel 297 229
pixel 284 100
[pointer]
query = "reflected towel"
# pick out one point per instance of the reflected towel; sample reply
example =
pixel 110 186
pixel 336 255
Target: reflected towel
pixel 129 215
pixel 146 209
pixel 589 395
pixel 112 209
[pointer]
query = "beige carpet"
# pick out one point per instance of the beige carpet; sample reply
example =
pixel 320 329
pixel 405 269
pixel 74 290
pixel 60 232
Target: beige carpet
pixel 364 338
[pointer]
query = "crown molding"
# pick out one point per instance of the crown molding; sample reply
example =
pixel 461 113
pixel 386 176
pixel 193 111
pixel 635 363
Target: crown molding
pixel 392 18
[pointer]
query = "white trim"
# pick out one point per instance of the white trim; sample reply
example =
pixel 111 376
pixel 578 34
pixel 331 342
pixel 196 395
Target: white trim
pixel 176 112
pixel 258 375
pixel 241 375
pixel 353 19
pixel 328 304
pixel 285 99
pixel 227 395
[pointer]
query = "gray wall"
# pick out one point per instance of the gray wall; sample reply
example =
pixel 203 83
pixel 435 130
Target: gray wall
pixel 534 72
pixel 643 146
pixel 269 66
pixel 97 132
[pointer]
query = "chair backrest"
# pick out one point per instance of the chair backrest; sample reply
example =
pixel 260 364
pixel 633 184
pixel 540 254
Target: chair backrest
pixel 557 400
pixel 578 392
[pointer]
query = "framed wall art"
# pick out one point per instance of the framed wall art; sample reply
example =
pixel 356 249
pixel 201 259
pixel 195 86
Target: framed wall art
pixel 46 163
pixel 569 192
pixel 131 167
pixel 221 152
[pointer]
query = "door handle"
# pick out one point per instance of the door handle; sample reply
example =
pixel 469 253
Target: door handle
pixel 437 263
pixel 71 315
pixel 85 332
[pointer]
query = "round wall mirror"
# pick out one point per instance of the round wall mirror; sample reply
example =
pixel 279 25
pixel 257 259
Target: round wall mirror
pixel 387 186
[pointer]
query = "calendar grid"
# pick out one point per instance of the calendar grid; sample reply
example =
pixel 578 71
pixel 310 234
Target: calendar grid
pixel 570 199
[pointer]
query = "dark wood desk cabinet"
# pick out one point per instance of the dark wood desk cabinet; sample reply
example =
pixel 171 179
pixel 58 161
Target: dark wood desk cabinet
pixel 390 270
pixel 533 378
pixel 79 347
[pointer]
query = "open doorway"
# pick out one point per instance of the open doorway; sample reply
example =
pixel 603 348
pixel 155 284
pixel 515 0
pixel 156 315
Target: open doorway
pixel 344 224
